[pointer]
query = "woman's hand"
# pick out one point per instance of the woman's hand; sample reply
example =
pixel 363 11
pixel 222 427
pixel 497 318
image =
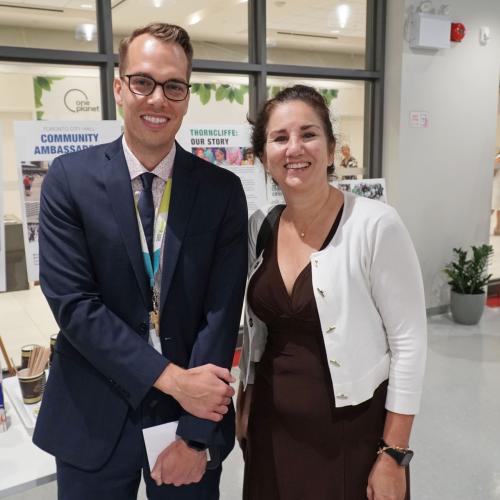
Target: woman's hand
pixel 243 403
pixel 387 480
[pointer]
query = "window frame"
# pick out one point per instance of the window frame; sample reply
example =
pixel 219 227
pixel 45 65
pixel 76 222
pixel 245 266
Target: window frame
pixel 257 68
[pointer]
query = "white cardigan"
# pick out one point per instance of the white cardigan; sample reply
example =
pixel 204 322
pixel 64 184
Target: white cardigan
pixel 369 294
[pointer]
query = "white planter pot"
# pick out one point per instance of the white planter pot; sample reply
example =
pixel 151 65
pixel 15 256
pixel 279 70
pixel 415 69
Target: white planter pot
pixel 467 309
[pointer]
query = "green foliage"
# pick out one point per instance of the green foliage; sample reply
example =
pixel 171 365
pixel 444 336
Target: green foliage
pixel 469 276
pixel 234 93
pixel 204 91
pixel 41 83
pixel 327 94
pixel 222 92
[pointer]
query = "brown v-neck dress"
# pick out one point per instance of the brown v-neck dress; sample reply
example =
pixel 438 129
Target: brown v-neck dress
pixel 300 446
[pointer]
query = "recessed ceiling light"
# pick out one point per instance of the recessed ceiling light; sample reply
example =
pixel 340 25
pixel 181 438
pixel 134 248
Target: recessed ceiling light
pixel 85 32
pixel 86 6
pixel 195 18
pixel 343 13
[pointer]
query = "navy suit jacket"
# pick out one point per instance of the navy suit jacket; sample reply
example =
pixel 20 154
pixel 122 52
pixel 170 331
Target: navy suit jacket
pixel 92 274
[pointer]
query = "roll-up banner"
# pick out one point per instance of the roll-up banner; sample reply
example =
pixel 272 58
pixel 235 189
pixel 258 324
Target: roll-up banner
pixel 38 143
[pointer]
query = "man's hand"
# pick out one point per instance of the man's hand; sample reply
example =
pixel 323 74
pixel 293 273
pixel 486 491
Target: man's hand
pixel 387 480
pixel 178 464
pixel 202 391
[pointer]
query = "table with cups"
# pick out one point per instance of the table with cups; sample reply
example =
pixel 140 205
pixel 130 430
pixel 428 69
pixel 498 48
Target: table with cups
pixel 23 466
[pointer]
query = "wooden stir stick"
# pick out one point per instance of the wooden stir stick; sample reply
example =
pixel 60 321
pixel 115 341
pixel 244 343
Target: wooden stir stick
pixel 38 360
pixel 8 361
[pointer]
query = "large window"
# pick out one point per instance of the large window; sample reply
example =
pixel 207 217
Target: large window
pixel 218 28
pixel 317 33
pixel 336 46
pixel 49 25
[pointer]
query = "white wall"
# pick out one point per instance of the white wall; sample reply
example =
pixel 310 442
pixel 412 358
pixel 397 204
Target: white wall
pixel 498 126
pixel 440 178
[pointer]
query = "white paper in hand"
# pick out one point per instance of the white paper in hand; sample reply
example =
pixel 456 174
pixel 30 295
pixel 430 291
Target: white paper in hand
pixel 157 438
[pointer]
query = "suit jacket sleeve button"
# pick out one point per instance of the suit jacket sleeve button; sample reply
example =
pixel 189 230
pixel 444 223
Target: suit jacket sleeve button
pixel 250 322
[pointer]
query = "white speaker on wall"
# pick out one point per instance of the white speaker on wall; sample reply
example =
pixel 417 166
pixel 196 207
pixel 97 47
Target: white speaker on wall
pixel 429 31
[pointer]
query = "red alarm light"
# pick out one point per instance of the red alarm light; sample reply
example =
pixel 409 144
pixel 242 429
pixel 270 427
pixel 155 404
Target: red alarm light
pixel 457 32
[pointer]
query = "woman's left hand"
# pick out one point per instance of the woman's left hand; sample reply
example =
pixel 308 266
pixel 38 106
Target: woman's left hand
pixel 387 480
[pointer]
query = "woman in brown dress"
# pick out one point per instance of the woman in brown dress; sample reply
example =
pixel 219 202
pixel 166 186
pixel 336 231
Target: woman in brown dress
pixel 334 343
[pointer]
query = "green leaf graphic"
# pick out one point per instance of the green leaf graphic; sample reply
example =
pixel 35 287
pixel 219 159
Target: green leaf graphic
pixel 41 83
pixel 204 94
pixel 238 95
pixel 38 95
pixel 221 92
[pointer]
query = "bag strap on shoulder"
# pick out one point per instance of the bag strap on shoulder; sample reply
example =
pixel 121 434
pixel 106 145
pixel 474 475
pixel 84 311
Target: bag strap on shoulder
pixel 267 227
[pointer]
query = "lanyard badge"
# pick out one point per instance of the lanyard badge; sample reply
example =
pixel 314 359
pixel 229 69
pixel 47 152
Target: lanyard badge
pixel 152 261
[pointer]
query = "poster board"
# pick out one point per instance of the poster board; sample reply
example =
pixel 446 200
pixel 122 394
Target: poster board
pixel 369 188
pixel 228 146
pixel 38 143
pixel 3 262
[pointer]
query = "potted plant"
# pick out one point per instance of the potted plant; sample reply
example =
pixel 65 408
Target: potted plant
pixel 468 279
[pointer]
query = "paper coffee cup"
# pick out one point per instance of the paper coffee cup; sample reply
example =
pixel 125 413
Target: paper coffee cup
pixel 31 386
pixel 26 351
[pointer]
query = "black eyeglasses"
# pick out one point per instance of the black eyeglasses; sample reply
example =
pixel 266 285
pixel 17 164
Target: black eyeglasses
pixel 174 90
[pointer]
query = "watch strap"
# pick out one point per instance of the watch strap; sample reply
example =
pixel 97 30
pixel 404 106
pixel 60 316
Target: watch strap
pixel 402 456
pixel 196 445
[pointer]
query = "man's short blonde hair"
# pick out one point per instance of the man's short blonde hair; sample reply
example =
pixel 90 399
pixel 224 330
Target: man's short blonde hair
pixel 168 33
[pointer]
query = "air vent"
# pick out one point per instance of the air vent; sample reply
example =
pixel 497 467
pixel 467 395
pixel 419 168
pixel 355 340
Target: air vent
pixel 308 35
pixel 28 7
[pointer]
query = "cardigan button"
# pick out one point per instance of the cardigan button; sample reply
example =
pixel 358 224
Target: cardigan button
pixel 321 292
pixel 342 396
pixel 315 262
pixel 330 329
pixel 334 362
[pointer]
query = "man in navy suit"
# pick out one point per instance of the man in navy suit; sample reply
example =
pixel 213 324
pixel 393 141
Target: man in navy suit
pixel 143 262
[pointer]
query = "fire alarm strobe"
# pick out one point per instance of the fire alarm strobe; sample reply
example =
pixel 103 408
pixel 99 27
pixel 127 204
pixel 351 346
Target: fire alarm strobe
pixel 457 32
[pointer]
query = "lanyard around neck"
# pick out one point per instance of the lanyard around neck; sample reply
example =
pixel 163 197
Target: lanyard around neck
pixel 152 262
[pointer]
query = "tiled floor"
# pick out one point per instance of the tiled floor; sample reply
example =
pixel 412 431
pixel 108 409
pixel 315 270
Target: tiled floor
pixel 456 435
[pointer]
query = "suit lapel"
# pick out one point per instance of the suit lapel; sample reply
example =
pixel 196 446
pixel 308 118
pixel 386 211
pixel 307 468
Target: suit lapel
pixel 116 178
pixel 184 188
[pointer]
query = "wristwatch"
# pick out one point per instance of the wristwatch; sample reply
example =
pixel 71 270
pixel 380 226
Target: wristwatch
pixel 196 445
pixel 402 456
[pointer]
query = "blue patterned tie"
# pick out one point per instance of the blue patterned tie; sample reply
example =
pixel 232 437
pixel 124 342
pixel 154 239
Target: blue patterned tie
pixel 146 208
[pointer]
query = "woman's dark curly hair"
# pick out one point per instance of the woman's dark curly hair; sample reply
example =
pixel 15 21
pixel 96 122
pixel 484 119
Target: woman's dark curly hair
pixel 302 93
